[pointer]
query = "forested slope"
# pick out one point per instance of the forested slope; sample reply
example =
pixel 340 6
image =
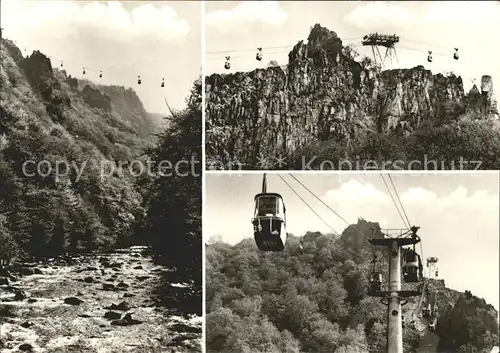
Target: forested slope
pixel 89 192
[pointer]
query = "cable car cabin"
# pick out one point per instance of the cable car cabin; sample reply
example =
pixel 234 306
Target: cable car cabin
pixel 269 222
pixel 429 57
pixel 455 54
pixel 100 74
pixel 258 56
pixel 375 282
pixel 432 325
pixel 227 64
pixel 411 267
pixel 139 80
pixel 426 311
pixel 84 71
pixel 163 82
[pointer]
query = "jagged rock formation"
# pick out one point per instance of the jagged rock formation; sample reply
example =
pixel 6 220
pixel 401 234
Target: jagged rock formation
pixel 326 94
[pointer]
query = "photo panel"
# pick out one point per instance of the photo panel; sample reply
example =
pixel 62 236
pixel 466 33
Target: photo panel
pixel 100 177
pixel 351 262
pixel 331 85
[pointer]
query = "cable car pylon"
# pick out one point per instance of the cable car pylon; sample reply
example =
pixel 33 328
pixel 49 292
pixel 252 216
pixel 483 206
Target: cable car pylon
pixel 394 295
pixel 376 40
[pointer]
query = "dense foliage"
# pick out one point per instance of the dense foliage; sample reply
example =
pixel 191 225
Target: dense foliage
pixel 61 187
pixel 433 146
pixel 108 192
pixel 310 298
pixel 173 196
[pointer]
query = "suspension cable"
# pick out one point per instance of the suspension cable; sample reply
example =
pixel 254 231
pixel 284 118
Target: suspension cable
pixel 400 203
pixel 325 204
pixel 326 223
pixel 394 201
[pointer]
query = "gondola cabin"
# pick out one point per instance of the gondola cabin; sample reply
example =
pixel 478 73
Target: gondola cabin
pixel 411 267
pixel 269 222
pixel 258 56
pixel 426 311
pixel 375 282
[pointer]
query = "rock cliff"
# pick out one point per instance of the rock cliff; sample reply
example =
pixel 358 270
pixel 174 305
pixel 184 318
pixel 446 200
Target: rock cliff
pixel 325 93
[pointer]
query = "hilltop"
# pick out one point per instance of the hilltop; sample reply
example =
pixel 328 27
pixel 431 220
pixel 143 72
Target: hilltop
pixel 313 298
pixel 328 102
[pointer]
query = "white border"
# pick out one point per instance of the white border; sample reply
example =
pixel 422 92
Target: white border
pixel 347 172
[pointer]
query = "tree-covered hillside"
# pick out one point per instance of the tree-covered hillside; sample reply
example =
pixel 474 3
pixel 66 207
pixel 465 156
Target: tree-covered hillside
pixel 89 192
pixel 313 298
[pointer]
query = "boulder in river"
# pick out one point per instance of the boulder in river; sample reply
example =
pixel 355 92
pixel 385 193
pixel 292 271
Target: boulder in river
pixel 73 301
pixel 88 279
pixel 108 286
pixel 112 315
pixel 126 321
pixel 122 285
pixel 20 295
pixel 122 306
pixel 26 347
pixel 27 324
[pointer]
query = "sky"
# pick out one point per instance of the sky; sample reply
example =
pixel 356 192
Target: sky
pixel 458 214
pixel 123 39
pixel 470 26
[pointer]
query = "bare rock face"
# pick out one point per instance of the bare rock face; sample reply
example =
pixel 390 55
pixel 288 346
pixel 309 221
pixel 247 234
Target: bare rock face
pixel 96 99
pixel 323 93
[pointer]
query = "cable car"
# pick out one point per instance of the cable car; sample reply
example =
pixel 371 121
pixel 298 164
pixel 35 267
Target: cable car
pixel 139 80
pixel 227 64
pixel 163 82
pixel 259 54
pixel 100 74
pixel 426 311
pixel 437 273
pixel 429 57
pixel 455 54
pixel 375 282
pixel 375 278
pixel 84 70
pixel 61 63
pixel 269 222
pixel 432 325
pixel 411 267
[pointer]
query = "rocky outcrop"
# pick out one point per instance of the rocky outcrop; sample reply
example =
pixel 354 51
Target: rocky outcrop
pixel 324 93
pixel 38 71
pixel 128 106
pixel 96 99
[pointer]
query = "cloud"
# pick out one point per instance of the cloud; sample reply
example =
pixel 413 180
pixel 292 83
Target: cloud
pixel 355 192
pixel 380 14
pixel 265 12
pixel 479 201
pixel 110 19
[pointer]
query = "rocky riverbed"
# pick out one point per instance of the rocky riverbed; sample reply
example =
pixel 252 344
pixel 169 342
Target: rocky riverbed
pixel 97 304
